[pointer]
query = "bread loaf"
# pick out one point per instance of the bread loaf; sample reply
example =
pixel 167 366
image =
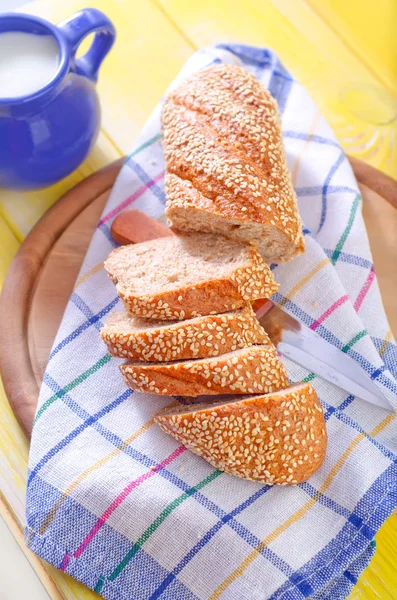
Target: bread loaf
pixel 246 371
pixel 275 438
pixel 226 170
pixel 181 277
pixel 150 340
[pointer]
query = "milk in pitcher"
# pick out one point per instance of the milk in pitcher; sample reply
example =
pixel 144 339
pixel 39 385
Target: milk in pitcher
pixel 27 63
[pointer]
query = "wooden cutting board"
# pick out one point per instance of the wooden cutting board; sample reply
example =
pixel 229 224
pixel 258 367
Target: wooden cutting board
pixel 42 275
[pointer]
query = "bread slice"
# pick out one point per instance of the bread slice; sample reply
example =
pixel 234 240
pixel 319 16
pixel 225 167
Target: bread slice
pixel 146 339
pixel 246 371
pixel 180 277
pixel 225 163
pixel 276 438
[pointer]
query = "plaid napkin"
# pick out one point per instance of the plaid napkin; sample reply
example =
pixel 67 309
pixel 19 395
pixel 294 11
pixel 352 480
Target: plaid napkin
pixel 122 507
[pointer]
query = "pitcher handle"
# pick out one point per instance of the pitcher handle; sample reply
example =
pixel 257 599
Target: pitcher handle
pixel 77 27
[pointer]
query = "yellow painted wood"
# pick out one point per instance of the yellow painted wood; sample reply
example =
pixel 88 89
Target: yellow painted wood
pixel 379 580
pixel 346 90
pixel 8 246
pixel 343 51
pixel 369 28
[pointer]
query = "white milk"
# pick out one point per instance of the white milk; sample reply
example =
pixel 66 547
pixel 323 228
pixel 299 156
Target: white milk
pixel 27 63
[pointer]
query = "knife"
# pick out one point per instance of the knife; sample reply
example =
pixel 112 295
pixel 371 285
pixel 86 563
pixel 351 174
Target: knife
pixel 291 338
pixel 307 349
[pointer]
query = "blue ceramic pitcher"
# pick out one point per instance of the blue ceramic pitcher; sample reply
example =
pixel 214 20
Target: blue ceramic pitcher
pixel 46 135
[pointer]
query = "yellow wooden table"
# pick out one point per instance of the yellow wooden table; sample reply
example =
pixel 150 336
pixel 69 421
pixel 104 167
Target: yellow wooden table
pixel 343 51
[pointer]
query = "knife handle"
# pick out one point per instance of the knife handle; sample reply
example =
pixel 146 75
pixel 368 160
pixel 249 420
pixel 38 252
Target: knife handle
pixel 135 226
pixel 262 307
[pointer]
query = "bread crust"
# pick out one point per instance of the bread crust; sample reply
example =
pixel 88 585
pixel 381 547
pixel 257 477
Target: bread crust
pixel 275 438
pixel 225 159
pixel 246 283
pixel 200 337
pixel 246 371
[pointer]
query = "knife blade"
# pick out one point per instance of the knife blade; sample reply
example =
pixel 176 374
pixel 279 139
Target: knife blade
pixel 291 338
pixel 305 347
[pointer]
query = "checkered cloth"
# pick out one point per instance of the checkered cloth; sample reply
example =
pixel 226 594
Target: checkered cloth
pixel 122 507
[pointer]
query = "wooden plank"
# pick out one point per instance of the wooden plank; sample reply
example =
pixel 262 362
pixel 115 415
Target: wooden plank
pixel 301 39
pixel 379 581
pixel 8 247
pixel 311 50
pixel 17 581
pixel 369 29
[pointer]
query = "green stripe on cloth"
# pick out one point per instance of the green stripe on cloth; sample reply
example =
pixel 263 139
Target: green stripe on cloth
pixel 70 386
pixel 152 140
pixel 152 528
pixel 357 337
pixel 308 378
pixel 345 234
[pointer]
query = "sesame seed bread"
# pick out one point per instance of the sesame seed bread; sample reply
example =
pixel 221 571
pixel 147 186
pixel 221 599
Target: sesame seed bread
pixel 185 276
pixel 226 170
pixel 244 371
pixel 146 339
pixel 275 438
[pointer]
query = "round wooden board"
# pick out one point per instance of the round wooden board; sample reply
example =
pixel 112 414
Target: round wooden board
pixel 43 272
pixel 38 285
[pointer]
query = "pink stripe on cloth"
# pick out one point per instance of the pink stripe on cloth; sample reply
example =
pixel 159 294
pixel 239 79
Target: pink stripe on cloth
pixel 131 199
pixel 116 502
pixel 364 290
pixel 329 311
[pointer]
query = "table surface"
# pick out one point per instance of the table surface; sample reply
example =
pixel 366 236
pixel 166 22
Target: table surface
pixel 344 52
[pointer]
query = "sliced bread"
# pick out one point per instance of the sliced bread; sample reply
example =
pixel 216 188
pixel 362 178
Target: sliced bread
pixel 276 438
pixel 180 277
pixel 226 170
pixel 245 371
pixel 150 340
